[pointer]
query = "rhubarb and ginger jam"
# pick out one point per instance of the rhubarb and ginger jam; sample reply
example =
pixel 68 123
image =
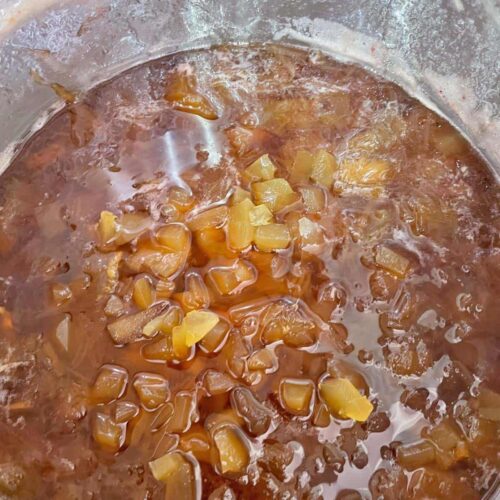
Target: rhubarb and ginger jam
pixel 249 272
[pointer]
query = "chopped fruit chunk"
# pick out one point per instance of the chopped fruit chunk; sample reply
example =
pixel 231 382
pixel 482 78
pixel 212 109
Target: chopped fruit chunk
pixel 256 415
pixel 215 339
pixel 162 265
pixel 213 217
pixel 365 172
pixel 239 195
pixel 302 167
pixel 160 350
pixel 310 232
pixel 181 199
pixel 125 411
pixel 107 227
pixel 164 289
pixel 260 215
pixel 416 455
pixel 163 323
pixel 129 328
pixel 296 395
pixel 272 237
pixel 195 295
pixel 193 328
pixel 324 167
pixel 264 360
pixel 152 389
pixel 314 198
pixel 212 242
pixel 110 383
pixel 130 226
pixel 217 382
pixel 228 280
pixel 391 261
pixel 321 417
pixel 184 406
pixel 234 454
pixel 344 400
pixel 107 433
pixel 143 295
pixel 197 442
pixel 240 232
pixel 176 237
pixel 275 193
pixel 183 96
pixel 262 169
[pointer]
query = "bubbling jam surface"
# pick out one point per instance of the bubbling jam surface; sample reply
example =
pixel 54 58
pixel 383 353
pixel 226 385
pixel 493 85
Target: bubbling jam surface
pixel 249 272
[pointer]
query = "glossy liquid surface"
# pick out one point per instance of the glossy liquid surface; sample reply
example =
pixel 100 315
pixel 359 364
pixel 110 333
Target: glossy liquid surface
pixel 384 271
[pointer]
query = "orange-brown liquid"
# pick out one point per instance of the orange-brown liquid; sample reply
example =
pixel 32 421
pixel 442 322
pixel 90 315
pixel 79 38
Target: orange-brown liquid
pixel 172 138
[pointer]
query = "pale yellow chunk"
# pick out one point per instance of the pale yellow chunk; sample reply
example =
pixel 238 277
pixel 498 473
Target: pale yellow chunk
pixel 239 195
pixel 107 226
pixel 234 455
pixel 391 261
pixel 176 237
pixel 164 467
pixel 324 167
pixel 302 166
pixel 260 216
pixel 193 328
pixel 227 280
pixel 240 231
pixel 272 237
pixel 163 323
pixel 365 172
pixel 261 169
pixel 344 400
pixel 275 193
pixel 143 294
pixel 310 232
pixel 213 217
pixel 296 395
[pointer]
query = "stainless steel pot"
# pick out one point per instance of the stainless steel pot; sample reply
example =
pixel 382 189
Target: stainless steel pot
pixel 444 52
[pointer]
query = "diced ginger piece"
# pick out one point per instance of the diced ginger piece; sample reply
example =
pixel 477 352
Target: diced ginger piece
pixel 107 433
pixel 217 382
pixel 262 169
pixel 234 455
pixel 181 199
pixel 391 261
pixel 183 96
pixel 263 359
pixel 212 217
pixel 143 294
pixel 240 232
pixel 344 400
pixel 152 389
pixel 215 339
pixel 314 198
pixel 416 455
pixel 321 417
pixel 195 295
pixel 296 395
pixel 228 280
pixel 61 293
pixel 193 328
pixel 110 383
pixel 178 473
pixel 107 227
pixel 212 242
pixel 125 411
pixel 197 442
pixel 302 166
pixel 176 237
pixel 239 195
pixel 366 172
pixel 129 328
pixel 275 193
pixel 310 232
pixel 272 237
pixel 160 350
pixel 184 406
pixel 324 167
pixel 260 216
pixel 130 226
pixel 163 323
pixel 164 289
